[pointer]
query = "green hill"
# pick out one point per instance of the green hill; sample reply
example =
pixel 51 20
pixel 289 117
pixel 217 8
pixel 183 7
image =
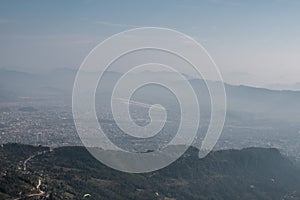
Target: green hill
pixel 71 172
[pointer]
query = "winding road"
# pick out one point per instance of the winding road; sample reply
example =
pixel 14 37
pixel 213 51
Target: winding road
pixel 40 192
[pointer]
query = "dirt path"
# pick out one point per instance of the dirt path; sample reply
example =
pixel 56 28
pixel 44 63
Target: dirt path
pixel 36 194
pixel 26 161
pixel 40 192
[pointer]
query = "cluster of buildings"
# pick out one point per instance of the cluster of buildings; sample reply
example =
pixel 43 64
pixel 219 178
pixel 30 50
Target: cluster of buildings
pixel 53 126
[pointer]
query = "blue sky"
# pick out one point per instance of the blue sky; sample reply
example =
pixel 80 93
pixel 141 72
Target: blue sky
pixel 253 42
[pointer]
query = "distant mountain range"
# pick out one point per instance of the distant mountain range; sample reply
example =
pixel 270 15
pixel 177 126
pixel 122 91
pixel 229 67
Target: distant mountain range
pixel 28 172
pixel 58 84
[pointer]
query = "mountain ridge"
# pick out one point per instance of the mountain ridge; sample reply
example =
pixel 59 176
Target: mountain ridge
pixel 71 172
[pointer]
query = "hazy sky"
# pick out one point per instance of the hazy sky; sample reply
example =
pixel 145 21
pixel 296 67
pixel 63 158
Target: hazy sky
pixel 254 42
